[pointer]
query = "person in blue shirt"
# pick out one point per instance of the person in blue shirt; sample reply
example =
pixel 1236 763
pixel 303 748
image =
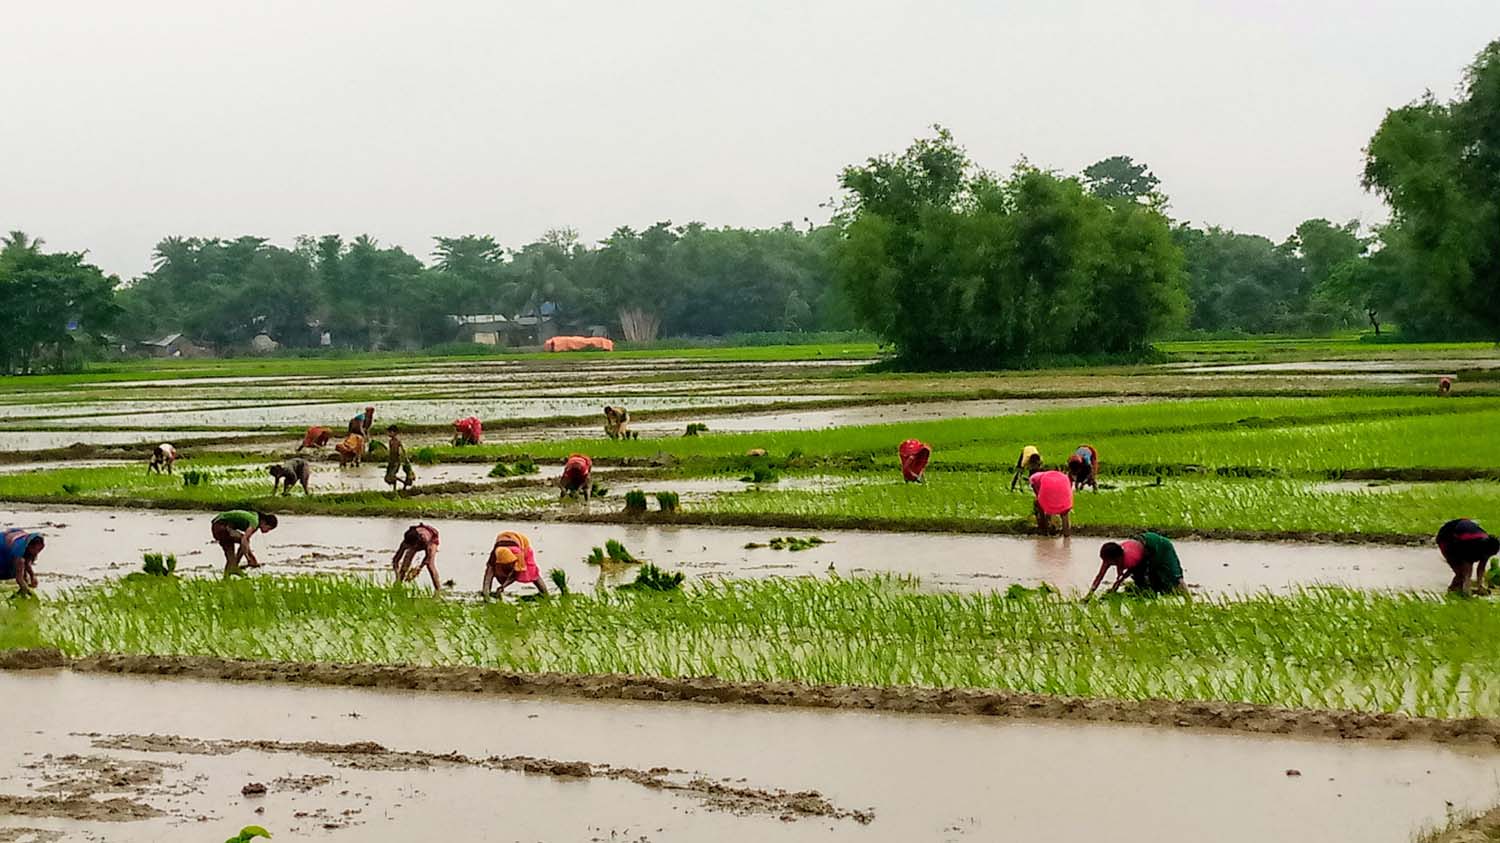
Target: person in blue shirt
pixel 18 552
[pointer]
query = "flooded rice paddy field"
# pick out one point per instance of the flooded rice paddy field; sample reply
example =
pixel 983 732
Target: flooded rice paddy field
pixel 90 544
pixel 170 759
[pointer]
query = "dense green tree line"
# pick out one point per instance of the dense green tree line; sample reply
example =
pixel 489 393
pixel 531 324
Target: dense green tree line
pixel 671 280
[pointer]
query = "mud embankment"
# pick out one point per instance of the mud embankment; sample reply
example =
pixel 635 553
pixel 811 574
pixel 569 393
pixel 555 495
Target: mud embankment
pixel 1226 716
pixel 367 755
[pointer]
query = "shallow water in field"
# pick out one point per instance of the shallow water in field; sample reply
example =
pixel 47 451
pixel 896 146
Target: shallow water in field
pixel 96 543
pixel 923 777
pixel 414 411
pixel 884 413
pixel 37 440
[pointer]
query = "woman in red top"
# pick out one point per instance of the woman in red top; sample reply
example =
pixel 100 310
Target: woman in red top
pixel 418 538
pixel 468 431
pixel 914 455
pixel 577 477
pixel 316 437
pixel 1054 496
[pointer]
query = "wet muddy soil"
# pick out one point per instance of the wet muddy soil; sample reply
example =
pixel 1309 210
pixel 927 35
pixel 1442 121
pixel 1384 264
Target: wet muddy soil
pixel 385 765
pixel 84 543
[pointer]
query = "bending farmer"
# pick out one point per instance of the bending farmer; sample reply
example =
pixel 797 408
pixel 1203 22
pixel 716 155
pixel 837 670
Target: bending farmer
pixel 577 477
pixel 617 423
pixel 1054 497
pixel 1465 545
pixel 290 473
pixel 1029 463
pixel 18 552
pixel 418 538
pixel 914 455
pixel 233 529
pixel 163 457
pixel 1083 467
pixel 511 560
pixel 351 450
pixel 316 437
pixel 468 431
pixel 363 423
pixel 1149 559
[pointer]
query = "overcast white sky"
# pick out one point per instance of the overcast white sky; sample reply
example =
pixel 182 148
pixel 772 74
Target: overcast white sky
pixel 124 122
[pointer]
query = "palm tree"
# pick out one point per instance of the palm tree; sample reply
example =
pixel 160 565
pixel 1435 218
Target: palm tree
pixel 19 241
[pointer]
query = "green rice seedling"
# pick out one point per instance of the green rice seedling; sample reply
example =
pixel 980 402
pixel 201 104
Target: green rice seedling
pixel 613 552
pixel 425 455
pixel 696 428
pixel 71 488
pixel 667 501
pixel 795 544
pixel 559 579
pixel 159 565
pixel 249 833
pixel 520 468
pixel 1316 648
pixel 761 474
pixel 635 501
pixel 651 578
pixel 195 477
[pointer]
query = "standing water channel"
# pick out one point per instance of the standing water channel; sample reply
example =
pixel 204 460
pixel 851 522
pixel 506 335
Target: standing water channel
pixel 165 749
pixel 93 543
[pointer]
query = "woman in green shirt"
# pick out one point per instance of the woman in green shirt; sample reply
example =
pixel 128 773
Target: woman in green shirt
pixel 233 529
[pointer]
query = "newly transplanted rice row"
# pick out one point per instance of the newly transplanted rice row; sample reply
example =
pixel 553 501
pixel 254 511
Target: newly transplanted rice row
pixel 999 438
pixel 1182 505
pixel 1318 649
pixel 948 500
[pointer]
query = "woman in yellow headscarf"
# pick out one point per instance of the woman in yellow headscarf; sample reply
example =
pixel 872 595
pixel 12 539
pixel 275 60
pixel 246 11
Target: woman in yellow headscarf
pixel 511 560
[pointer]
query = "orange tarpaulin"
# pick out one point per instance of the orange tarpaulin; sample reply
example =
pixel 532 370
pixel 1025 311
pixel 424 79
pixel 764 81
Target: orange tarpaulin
pixel 579 344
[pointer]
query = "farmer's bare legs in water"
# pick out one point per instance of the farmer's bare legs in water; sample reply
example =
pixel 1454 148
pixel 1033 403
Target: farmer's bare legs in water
pixel 402 561
pixel 1479 585
pixel 231 548
pixel 405 572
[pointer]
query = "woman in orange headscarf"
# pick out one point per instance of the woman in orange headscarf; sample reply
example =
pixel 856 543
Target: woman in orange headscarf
pixel 511 560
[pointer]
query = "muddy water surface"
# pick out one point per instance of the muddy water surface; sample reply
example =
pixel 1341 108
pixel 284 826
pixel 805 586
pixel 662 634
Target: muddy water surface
pixel 37 440
pixel 183 749
pixel 885 413
pixel 95 543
